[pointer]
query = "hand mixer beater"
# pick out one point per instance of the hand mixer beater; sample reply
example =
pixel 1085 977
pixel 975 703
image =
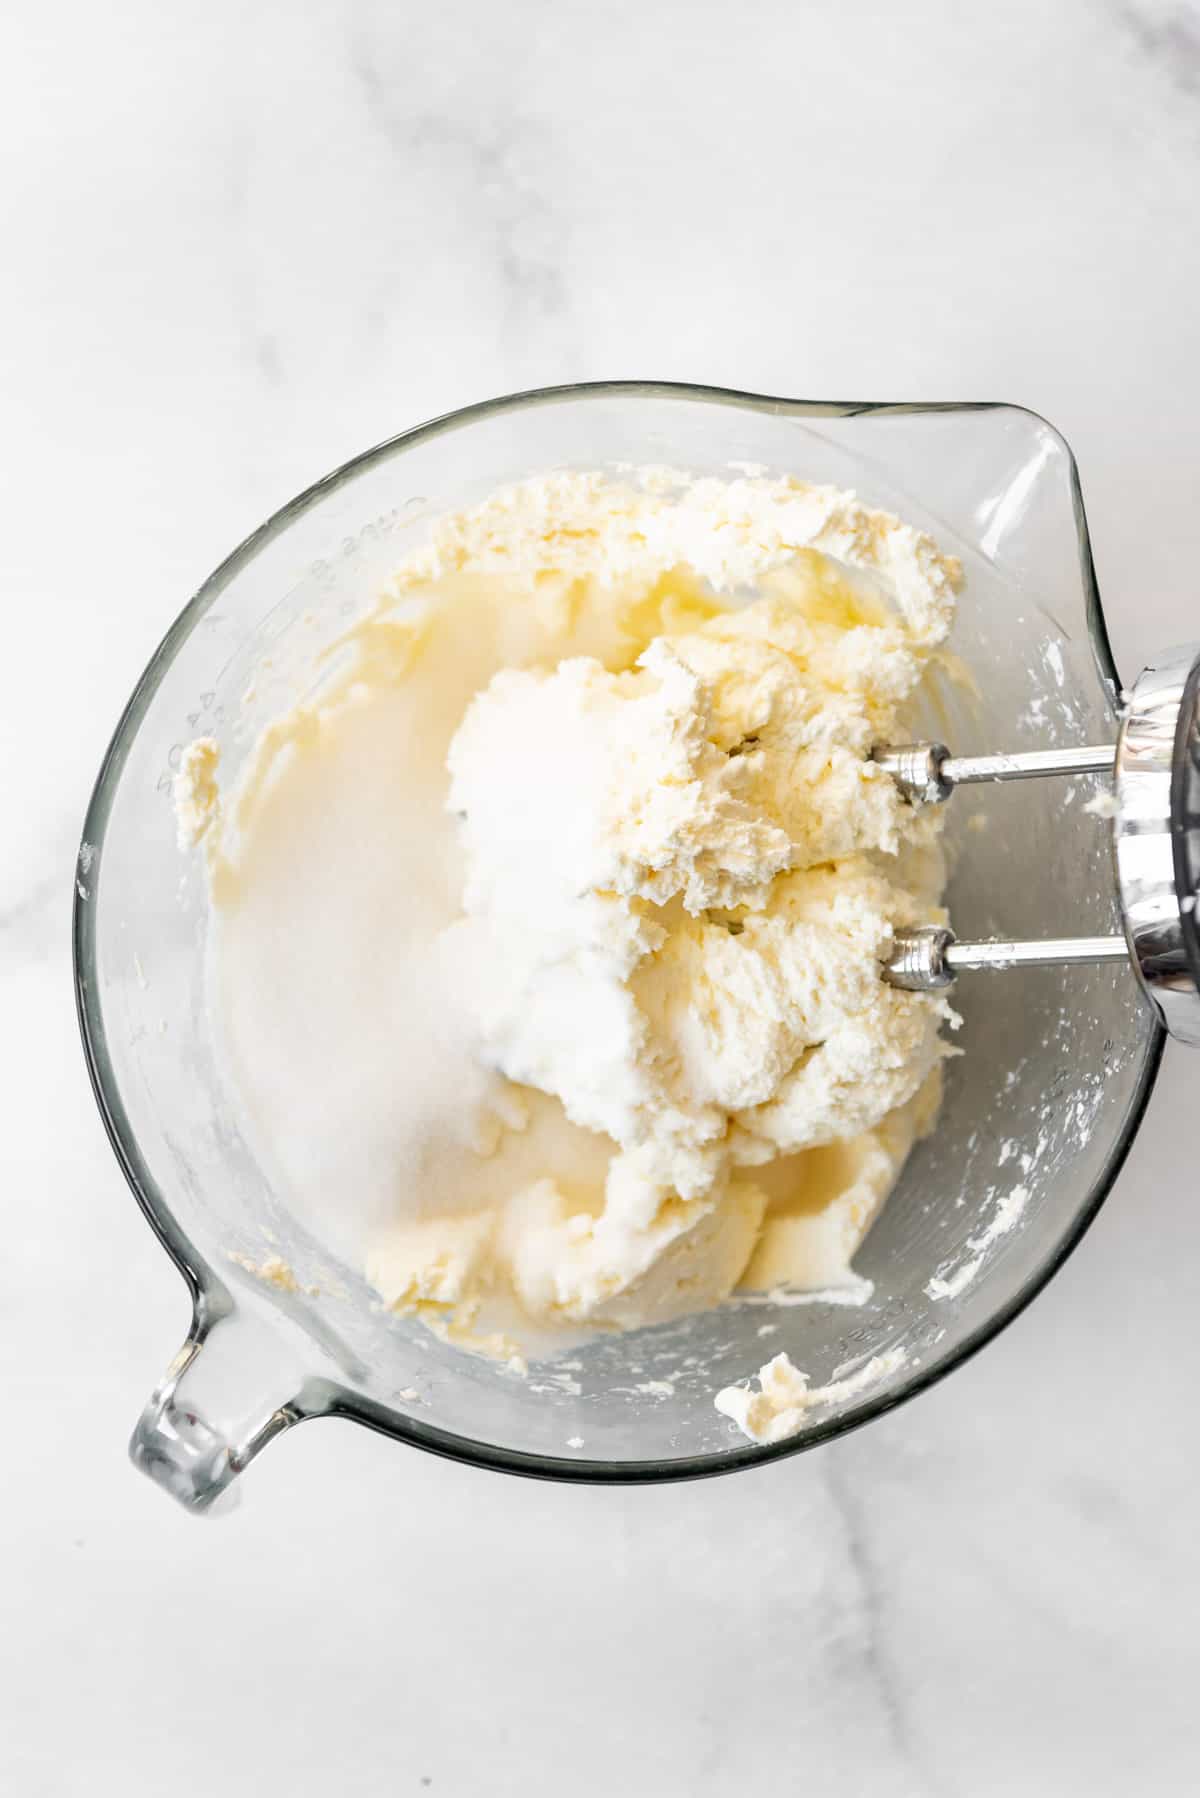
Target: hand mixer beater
pixel 1155 767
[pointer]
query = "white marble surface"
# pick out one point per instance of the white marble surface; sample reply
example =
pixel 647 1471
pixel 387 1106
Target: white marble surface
pixel 242 242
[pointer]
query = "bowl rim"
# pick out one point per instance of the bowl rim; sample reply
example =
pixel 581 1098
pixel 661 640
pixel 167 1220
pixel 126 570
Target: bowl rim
pixel 210 1299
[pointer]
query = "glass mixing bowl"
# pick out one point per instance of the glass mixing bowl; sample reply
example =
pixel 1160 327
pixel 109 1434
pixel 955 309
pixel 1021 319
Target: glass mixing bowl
pixel 1057 1063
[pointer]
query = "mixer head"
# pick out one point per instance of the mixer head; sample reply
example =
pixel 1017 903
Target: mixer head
pixel 1155 769
pixel 1156 835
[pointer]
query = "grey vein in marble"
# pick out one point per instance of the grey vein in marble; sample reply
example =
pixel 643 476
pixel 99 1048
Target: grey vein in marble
pixel 877 1661
pixel 261 344
pixel 36 923
pixel 1170 35
pixel 493 161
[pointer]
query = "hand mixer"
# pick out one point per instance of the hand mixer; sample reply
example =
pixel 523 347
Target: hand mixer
pixel 1155 764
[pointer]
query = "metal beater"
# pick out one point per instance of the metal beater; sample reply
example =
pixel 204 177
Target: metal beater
pixel 1155 765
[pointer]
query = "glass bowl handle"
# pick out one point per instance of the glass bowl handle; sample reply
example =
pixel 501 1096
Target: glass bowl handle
pixel 230 1390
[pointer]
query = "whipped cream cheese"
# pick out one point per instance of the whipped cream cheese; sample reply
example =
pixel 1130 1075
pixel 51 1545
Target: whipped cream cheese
pixel 569 896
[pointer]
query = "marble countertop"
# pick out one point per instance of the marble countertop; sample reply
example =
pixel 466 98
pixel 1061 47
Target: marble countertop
pixel 243 242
